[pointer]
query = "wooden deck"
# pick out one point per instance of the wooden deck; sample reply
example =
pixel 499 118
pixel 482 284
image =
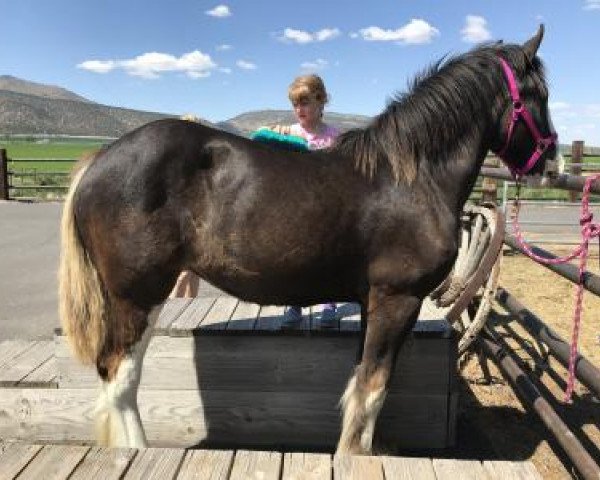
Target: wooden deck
pixel 57 462
pixel 45 398
pixel 223 373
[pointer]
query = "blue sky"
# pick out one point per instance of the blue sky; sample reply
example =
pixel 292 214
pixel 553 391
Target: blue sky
pixel 217 60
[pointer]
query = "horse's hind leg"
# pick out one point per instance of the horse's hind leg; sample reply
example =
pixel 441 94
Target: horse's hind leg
pixel 389 319
pixel 118 422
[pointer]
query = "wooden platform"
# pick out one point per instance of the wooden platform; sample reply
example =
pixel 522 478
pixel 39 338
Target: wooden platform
pixel 220 372
pixel 55 462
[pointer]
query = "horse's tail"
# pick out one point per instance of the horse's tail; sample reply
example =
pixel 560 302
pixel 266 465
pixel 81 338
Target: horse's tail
pixel 82 303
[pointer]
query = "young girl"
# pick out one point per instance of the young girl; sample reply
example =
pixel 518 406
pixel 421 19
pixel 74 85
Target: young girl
pixel 308 96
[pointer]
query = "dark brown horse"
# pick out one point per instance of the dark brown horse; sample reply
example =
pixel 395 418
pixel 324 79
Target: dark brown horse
pixel 374 220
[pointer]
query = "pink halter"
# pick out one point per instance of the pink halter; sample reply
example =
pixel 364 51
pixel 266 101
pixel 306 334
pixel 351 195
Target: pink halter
pixel 521 111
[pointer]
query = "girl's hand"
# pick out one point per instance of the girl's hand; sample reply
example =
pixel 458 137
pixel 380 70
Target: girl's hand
pixel 281 129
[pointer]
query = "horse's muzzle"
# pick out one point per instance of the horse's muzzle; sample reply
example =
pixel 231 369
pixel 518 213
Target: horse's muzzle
pixel 553 167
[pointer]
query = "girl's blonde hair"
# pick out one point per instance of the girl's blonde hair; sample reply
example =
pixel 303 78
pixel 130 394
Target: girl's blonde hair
pixel 308 86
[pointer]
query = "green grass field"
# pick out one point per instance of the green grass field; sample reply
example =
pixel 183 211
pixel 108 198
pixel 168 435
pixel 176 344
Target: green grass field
pixel 17 151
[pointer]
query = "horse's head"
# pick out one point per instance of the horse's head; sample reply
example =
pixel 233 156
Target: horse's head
pixel 526 140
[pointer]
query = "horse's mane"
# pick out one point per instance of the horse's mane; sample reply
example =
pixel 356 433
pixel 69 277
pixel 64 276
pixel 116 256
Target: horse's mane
pixel 428 121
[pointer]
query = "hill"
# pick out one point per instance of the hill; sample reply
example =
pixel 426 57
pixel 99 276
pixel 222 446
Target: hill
pixel 33 108
pixel 18 85
pixel 27 114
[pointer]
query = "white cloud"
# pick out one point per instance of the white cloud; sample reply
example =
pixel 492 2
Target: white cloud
pixel 150 65
pixel 318 64
pixel 559 106
pixel 563 111
pixel 220 11
pixel 326 34
pixel 585 126
pixel 591 5
pixel 225 70
pixel 98 66
pixel 303 37
pixel 223 47
pixel 593 110
pixel 577 121
pixel 245 65
pixel 417 31
pixel 475 30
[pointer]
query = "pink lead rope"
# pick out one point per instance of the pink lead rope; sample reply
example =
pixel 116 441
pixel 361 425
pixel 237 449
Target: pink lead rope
pixel 589 231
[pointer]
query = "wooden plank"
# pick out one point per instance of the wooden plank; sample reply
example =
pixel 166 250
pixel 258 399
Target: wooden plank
pixel 206 465
pixel 155 463
pixel 352 467
pixel 170 311
pixel 185 418
pixel 270 363
pixel 42 377
pixel 47 415
pixel 306 466
pixel 244 317
pixel 448 469
pixel 432 328
pixel 191 316
pixel 270 318
pixel 104 464
pixel 219 314
pixel 54 462
pixel 70 373
pixel 504 470
pixel 14 457
pixel 12 348
pixel 21 365
pixel 408 468
pixel 256 465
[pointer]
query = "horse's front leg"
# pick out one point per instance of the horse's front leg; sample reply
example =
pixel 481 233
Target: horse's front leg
pixel 389 318
pixel 118 421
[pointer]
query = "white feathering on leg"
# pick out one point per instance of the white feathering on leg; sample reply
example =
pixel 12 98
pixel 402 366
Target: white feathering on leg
pixel 118 422
pixel 373 404
pixel 352 416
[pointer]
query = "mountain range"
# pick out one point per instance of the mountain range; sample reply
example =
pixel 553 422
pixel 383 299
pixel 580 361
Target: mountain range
pixel 33 108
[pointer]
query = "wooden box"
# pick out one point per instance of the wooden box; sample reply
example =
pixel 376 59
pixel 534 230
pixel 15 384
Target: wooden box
pixel 219 372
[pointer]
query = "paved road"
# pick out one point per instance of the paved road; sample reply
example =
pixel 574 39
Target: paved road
pixel 28 264
pixel 29 252
pixel 29 259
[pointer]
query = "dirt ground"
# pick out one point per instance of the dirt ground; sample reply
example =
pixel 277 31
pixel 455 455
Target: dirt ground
pixel 491 417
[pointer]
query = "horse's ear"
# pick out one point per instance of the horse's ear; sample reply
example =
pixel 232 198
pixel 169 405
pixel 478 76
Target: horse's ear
pixel 531 46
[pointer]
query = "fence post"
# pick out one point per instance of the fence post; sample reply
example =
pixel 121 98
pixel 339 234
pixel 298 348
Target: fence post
pixel 3 175
pixel 576 157
pixel 489 186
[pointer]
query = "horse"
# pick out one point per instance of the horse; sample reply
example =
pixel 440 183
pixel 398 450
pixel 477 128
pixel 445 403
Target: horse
pixel 383 207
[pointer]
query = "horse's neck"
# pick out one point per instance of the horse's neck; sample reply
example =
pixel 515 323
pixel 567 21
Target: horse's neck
pixel 456 172
pixel 456 177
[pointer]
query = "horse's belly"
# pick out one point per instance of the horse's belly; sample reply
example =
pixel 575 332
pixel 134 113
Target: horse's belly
pixel 270 287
